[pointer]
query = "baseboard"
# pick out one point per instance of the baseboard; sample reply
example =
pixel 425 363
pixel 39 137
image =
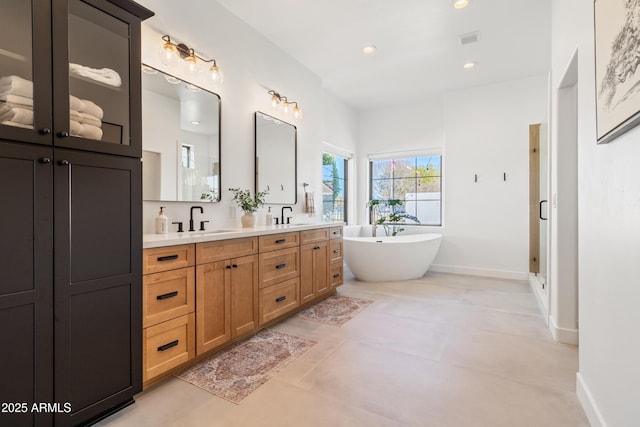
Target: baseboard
pixel 588 404
pixel 541 296
pixel 563 335
pixel 500 274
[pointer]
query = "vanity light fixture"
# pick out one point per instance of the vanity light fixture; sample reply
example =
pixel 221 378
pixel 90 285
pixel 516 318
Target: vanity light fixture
pixel 288 107
pixel 172 54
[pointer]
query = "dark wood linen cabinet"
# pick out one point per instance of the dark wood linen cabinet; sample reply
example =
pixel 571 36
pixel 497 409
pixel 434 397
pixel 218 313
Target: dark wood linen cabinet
pixel 70 210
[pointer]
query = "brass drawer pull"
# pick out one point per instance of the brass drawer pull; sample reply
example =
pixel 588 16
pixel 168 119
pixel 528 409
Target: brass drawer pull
pixel 282 298
pixel 281 241
pixel 279 266
pixel 168 295
pixel 168 345
pixel 167 258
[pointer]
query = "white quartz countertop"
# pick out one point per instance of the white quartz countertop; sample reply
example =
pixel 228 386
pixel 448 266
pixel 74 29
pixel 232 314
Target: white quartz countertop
pixel 224 233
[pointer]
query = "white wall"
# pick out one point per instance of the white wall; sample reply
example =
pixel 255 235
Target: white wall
pixel 609 237
pixel 483 131
pixel 252 65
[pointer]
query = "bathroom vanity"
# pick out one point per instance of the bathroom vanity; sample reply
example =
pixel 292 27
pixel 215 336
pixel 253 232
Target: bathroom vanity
pixel 204 291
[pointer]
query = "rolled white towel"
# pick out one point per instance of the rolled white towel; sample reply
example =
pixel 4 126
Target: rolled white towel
pixel 16 85
pixel 90 107
pixel 16 114
pixel 75 104
pixel 17 125
pixel 17 100
pixel 88 119
pixel 103 75
pixel 91 132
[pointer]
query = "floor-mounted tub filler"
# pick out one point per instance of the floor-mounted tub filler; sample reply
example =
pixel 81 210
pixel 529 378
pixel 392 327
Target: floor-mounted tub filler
pixel 388 258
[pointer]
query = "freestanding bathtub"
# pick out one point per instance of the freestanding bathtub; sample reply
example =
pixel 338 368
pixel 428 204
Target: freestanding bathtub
pixel 388 258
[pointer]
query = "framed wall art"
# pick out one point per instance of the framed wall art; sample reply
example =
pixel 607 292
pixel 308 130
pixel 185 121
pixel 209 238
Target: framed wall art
pixel 617 61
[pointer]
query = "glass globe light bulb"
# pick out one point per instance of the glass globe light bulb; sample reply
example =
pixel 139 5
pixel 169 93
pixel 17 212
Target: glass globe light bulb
pixel 297 112
pixel 275 101
pixel 216 74
pixel 168 54
pixel 286 107
pixel 191 63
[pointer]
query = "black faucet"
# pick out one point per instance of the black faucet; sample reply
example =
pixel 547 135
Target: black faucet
pixel 282 213
pixel 191 228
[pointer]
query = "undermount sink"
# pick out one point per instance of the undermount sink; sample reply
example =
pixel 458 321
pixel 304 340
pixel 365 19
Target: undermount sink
pixel 206 232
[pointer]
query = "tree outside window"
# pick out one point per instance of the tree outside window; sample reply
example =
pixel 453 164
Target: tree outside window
pixel 334 184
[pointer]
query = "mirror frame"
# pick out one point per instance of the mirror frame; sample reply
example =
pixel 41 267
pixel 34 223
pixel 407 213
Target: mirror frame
pixel 295 158
pixel 143 65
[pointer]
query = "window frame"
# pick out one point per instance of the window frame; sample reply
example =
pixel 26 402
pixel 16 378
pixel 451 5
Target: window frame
pixel 346 159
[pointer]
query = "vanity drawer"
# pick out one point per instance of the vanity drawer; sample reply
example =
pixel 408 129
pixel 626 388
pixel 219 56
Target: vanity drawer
pixel 335 275
pixel 224 249
pixel 167 295
pixel 336 232
pixel 317 235
pixel 335 250
pixel 167 345
pixel 276 266
pixel 274 242
pixel 279 299
pixel 166 258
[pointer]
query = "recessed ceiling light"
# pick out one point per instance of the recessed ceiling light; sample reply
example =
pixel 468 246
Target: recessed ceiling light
pixel 369 49
pixel 469 64
pixel 195 122
pixel 461 4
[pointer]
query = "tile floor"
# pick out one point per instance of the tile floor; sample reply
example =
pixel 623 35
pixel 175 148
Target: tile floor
pixel 445 350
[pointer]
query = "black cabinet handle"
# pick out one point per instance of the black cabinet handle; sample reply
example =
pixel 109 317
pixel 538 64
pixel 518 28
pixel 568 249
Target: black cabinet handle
pixel 44 131
pixel 316 248
pixel 336 251
pixel 279 266
pixel 336 232
pixel 167 258
pixel 282 298
pixel 335 276
pixel 281 241
pixel 235 265
pixel 168 345
pixel 44 160
pixel 63 134
pixel 228 267
pixel 63 162
pixel 540 210
pixel 168 295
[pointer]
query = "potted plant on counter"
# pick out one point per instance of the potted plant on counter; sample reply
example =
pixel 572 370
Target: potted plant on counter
pixel 249 204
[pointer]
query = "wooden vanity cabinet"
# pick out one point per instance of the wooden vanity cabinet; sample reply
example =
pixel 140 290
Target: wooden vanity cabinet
pixel 336 258
pixel 314 268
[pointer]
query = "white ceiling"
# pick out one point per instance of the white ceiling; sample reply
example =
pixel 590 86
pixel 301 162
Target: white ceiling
pixel 419 51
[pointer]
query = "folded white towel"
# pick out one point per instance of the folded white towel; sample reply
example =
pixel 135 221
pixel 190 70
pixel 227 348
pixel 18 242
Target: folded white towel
pixel 103 75
pixel 16 85
pixel 92 132
pixel 90 107
pixel 16 114
pixel 17 125
pixel 75 115
pixel 17 100
pixel 75 128
pixel 75 104
pixel 88 119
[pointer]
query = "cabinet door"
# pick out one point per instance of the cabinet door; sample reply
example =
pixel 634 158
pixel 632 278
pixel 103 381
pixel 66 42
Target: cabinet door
pixel 307 292
pixel 213 305
pixel 26 274
pixel 321 268
pixel 25 71
pixel 244 295
pixel 98 282
pixel 96 70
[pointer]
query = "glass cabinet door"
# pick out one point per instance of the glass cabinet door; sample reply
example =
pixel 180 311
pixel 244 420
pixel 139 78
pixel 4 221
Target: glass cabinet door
pixel 25 70
pixel 98 69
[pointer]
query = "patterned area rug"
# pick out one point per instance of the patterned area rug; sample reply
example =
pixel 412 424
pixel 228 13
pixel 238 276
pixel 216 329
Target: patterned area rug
pixel 237 371
pixel 335 310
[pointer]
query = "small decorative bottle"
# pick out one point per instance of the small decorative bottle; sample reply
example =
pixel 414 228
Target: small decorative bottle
pixel 269 217
pixel 162 222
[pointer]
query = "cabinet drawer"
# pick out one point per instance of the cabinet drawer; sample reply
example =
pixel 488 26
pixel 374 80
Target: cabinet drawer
pixel 335 274
pixel 225 249
pixel 167 345
pixel 167 295
pixel 155 260
pixel 309 236
pixel 274 242
pixel 278 299
pixel 336 232
pixel 335 250
pixel 276 266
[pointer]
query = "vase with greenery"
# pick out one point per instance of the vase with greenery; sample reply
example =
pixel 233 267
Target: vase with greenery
pixel 391 217
pixel 249 204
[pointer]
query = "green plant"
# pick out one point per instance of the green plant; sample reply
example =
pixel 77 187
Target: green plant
pixel 391 220
pixel 246 202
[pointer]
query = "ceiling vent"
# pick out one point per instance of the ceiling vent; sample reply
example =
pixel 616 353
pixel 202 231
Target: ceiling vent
pixel 469 38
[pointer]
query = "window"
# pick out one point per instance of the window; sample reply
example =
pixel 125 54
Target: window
pixel 334 188
pixel 188 157
pixel 415 181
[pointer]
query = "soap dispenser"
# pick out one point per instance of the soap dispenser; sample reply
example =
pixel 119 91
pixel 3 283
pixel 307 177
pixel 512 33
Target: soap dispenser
pixel 162 222
pixel 269 217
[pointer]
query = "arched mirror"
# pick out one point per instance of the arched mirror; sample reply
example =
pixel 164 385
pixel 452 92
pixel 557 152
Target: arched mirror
pixel 180 139
pixel 276 159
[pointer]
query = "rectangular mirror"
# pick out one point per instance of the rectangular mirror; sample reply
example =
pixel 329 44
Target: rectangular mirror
pixel 276 159
pixel 180 139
